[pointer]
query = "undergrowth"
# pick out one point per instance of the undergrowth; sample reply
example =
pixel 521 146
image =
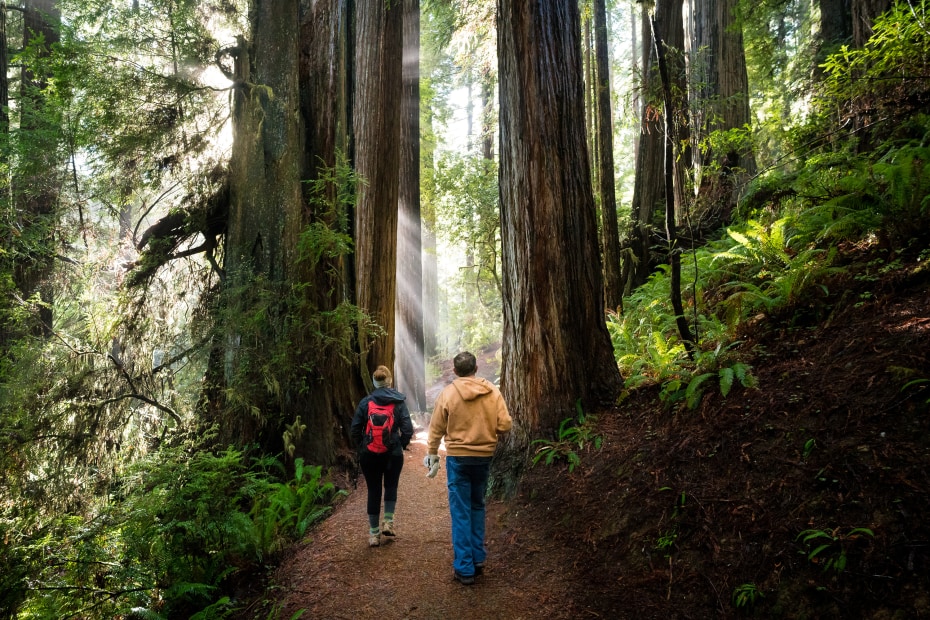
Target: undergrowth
pixel 775 263
pixel 182 529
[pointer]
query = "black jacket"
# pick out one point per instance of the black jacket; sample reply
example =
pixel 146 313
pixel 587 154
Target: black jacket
pixel 403 427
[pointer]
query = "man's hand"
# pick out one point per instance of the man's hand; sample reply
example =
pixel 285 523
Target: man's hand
pixel 431 462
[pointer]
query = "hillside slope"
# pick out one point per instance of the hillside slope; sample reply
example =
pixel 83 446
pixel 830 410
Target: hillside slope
pixel 681 510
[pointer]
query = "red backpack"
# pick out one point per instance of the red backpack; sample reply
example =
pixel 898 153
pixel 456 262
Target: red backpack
pixel 379 437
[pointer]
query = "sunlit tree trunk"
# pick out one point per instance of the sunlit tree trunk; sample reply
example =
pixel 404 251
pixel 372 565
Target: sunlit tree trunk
pixel 487 116
pixel 265 202
pixel 376 123
pixel 721 104
pixel 648 186
pixel 290 115
pixel 671 105
pixel 430 289
pixel 556 348
pixel 410 368
pixel 325 80
pixel 613 287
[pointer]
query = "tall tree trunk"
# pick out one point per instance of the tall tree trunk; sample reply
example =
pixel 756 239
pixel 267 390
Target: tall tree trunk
pixel 864 13
pixel 410 366
pixel 289 123
pixel 430 289
pixel 264 212
pixel 325 82
pixel 835 30
pixel 613 287
pixel 487 114
pixel 648 186
pixel 4 79
pixel 36 177
pixel 590 98
pixel 671 140
pixel 722 96
pixel 376 120
pixel 635 56
pixel 556 348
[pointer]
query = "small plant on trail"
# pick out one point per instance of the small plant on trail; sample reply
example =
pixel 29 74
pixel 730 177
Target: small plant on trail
pixel 746 595
pixel 829 547
pixel 666 541
pixel 573 437
pixel 809 446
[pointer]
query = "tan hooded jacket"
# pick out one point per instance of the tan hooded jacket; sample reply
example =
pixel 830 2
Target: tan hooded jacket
pixel 469 413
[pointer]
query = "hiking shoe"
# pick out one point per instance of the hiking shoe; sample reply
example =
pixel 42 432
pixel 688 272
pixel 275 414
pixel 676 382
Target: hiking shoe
pixel 387 528
pixel 479 568
pixel 465 580
pixel 374 540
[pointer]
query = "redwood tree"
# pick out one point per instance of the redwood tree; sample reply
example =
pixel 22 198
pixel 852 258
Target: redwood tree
pixel 720 102
pixel 556 348
pixel 410 366
pixel 288 333
pixel 376 126
pixel 613 287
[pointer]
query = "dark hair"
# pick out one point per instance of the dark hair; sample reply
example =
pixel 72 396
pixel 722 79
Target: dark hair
pixel 465 364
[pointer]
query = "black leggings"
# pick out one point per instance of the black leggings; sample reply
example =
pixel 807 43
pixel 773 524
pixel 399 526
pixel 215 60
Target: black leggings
pixel 378 468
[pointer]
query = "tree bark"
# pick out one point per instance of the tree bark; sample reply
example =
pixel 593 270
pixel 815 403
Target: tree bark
pixel 376 119
pixel 556 348
pixel 410 369
pixel 671 139
pixel 648 183
pixel 325 82
pixel 721 97
pixel 265 201
pixel 613 287
pixel 864 13
pixel 290 117
pixel 4 79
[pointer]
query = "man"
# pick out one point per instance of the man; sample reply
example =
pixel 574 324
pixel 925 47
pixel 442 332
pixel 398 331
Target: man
pixel 469 413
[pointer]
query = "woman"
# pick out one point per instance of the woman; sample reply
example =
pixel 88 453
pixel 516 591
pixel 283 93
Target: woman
pixel 381 431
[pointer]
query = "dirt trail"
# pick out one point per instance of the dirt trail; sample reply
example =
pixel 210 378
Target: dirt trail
pixel 335 575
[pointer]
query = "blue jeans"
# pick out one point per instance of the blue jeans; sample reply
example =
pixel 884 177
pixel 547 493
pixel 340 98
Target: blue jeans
pixel 467 478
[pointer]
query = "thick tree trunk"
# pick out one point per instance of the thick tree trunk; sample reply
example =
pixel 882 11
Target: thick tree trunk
pixel 376 120
pixel 289 123
pixel 264 211
pixel 648 184
pixel 324 85
pixel 671 140
pixel 613 287
pixel 410 367
pixel 556 348
pixel 721 94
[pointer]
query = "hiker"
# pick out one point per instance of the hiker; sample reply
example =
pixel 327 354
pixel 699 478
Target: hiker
pixel 381 431
pixel 470 413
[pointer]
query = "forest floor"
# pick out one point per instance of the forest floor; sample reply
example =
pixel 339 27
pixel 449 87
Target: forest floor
pixel 682 510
